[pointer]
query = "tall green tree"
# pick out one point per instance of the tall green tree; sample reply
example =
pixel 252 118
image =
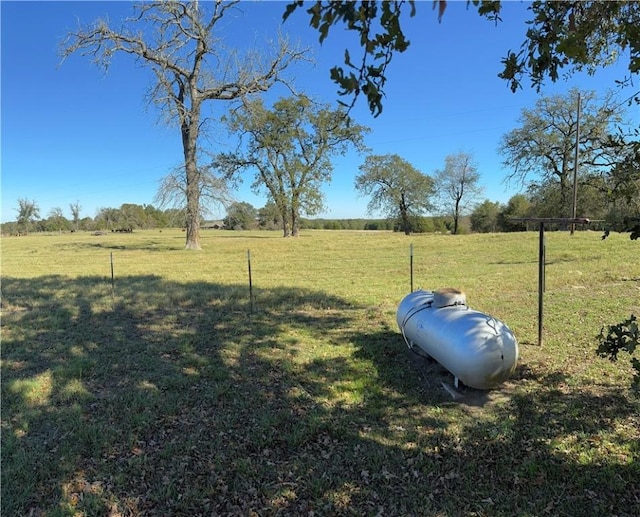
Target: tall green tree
pixel 107 218
pixel 621 186
pixel 179 43
pixel 241 216
pixel 484 218
pixel 131 216
pixel 154 218
pixel 56 221
pixel 28 213
pixel 396 188
pixel 290 148
pixel 543 147
pixel 518 207
pixel 269 217
pixel 458 186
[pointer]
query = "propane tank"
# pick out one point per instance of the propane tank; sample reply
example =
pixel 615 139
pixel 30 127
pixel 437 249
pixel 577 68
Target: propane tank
pixel 479 350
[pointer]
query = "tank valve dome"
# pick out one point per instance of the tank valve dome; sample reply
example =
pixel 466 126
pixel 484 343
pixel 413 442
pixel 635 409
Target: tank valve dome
pixel 448 297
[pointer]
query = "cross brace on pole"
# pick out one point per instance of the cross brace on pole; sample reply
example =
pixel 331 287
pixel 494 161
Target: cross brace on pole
pixel 542 259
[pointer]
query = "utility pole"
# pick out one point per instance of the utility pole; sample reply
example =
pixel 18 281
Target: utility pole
pixel 575 168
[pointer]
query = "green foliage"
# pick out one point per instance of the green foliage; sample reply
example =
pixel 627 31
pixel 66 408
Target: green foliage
pixel 420 224
pixel 518 207
pixel 55 222
pixel 622 337
pixel 380 35
pixel 623 180
pixel 542 148
pixel 396 188
pixel 345 224
pixel 484 218
pixel 332 225
pixel 577 35
pixel 629 225
pixel 269 217
pixel 241 216
pixel 560 35
pixel 289 148
pixel 378 29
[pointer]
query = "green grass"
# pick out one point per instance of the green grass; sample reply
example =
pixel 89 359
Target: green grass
pixel 168 395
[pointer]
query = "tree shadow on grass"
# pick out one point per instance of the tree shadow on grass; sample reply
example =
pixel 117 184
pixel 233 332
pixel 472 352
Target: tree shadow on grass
pixel 534 445
pixel 174 399
pixel 157 245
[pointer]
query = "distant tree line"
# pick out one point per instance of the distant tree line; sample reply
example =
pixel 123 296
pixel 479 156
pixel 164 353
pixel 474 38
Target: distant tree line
pixel 486 217
pixel 128 217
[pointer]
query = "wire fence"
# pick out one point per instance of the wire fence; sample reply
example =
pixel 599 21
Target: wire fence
pixel 359 278
pixel 250 272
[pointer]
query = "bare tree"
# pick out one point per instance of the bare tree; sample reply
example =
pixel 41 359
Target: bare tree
pixel 28 212
pixel 176 41
pixel 457 185
pixel 214 190
pixel 75 214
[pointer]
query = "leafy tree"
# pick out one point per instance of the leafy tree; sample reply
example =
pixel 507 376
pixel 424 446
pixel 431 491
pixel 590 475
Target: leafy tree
pixel 378 27
pixel 544 144
pixel 571 35
pixel 154 218
pixel 593 199
pixel 56 221
pixel 518 207
pixel 621 186
pixel 241 216
pixel 87 224
pixel 396 188
pixel 367 75
pixel 107 218
pixel 545 199
pixel 131 216
pixel 578 35
pixel 484 218
pixel 623 180
pixel 457 185
pixel 290 147
pixel 9 228
pixel 622 337
pixel 176 41
pixel 269 217
pixel 419 224
pixel 332 225
pixel 75 209
pixel 28 213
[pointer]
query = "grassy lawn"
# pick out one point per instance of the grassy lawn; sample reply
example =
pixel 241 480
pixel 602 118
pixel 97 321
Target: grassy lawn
pixel 169 392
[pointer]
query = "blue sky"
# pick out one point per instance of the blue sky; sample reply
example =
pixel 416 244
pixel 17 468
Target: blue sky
pixel 71 133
